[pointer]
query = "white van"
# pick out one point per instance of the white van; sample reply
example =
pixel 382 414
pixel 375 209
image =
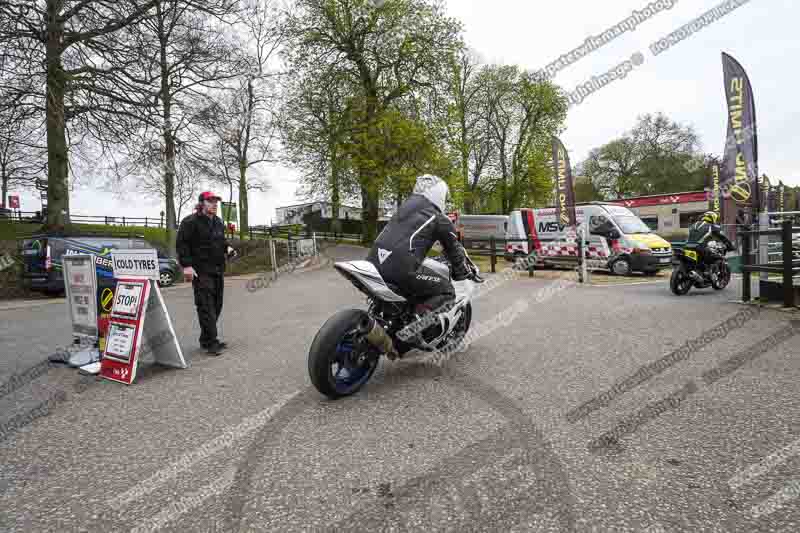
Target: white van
pixel 617 240
pixel 481 228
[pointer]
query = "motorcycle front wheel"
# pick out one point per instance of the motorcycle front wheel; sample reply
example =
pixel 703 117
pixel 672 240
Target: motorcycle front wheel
pixel 680 282
pixel 722 276
pixel 339 364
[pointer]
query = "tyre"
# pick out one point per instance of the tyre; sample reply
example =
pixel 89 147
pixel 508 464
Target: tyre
pixel 337 365
pixel 721 278
pixel 680 282
pixel 621 267
pixel 165 278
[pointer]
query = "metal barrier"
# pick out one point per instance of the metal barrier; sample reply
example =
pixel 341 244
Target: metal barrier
pixel 335 236
pixel 36 217
pixel 494 245
pixel 789 266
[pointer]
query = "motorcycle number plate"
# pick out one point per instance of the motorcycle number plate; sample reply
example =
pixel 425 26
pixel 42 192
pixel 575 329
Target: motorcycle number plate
pixel 691 254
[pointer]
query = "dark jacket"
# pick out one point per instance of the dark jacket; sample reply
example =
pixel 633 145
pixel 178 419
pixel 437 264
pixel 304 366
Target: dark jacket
pixel 702 232
pixel 201 244
pixel 410 235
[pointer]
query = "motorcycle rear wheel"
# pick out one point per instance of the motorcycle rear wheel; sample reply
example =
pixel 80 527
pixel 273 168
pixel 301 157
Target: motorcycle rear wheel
pixel 337 364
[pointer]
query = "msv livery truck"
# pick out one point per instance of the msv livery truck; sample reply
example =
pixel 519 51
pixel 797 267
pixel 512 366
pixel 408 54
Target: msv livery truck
pixel 617 240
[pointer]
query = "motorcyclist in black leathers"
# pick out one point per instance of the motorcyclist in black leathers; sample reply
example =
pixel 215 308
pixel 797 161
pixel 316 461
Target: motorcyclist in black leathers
pixel 703 232
pixel 404 243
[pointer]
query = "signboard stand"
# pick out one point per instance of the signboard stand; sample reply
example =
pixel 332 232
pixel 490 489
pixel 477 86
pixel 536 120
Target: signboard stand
pixel 140 324
pixel 80 285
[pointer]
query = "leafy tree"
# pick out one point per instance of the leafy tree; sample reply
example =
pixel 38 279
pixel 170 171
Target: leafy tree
pixel 397 150
pixel 387 50
pixel 657 156
pixel 585 191
pixel 316 120
pixel 523 114
pixel 467 126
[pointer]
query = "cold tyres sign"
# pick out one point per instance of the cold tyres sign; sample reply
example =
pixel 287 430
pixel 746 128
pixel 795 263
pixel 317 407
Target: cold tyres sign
pixel 141 264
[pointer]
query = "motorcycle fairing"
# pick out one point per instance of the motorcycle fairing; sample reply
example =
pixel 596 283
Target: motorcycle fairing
pixel 366 278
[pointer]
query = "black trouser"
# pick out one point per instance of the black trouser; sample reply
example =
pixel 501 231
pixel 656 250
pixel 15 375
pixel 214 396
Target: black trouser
pixel 208 289
pixel 422 285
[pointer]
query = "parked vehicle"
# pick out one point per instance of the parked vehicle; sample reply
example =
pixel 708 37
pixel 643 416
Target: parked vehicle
pixel 42 255
pixel 346 350
pixel 687 260
pixel 617 240
pixel 481 228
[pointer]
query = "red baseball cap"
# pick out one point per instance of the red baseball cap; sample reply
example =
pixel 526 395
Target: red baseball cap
pixel 209 196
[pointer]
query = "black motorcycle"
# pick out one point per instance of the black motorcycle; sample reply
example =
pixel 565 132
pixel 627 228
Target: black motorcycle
pixel 690 271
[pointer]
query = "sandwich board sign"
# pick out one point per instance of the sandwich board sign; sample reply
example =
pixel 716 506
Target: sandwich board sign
pixel 80 284
pixel 139 324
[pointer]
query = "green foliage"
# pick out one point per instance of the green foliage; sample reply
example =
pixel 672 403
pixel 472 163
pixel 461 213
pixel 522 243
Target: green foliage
pixel 15 230
pixel 535 185
pixel 585 191
pixel 657 156
pixel 391 151
pixel 383 53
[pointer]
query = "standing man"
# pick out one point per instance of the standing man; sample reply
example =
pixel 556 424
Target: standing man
pixel 202 249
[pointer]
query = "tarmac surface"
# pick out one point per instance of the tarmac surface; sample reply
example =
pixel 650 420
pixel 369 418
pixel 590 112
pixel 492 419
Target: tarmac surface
pixel 243 442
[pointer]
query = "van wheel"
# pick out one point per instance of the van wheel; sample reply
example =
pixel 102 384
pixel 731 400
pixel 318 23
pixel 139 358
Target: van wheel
pixel 621 267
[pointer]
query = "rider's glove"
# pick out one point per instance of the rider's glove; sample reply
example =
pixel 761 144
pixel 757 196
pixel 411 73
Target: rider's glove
pixel 462 273
pixel 189 274
pixel 231 252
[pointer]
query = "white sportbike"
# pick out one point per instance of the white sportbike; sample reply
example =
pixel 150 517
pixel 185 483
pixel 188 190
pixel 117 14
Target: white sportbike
pixel 346 350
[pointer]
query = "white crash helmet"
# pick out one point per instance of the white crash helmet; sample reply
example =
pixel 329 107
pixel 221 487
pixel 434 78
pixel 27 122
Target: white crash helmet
pixel 434 189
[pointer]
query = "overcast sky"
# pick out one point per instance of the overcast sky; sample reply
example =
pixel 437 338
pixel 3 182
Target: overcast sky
pixel 684 82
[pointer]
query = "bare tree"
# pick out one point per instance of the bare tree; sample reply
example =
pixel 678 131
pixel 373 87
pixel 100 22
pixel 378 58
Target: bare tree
pixel 147 167
pixel 243 121
pixel 23 154
pixel 57 51
pixel 178 57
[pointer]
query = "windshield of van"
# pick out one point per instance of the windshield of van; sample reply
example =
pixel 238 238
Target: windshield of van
pixel 631 224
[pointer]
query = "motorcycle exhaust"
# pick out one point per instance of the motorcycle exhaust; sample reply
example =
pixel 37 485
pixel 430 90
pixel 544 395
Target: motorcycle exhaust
pixel 377 336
